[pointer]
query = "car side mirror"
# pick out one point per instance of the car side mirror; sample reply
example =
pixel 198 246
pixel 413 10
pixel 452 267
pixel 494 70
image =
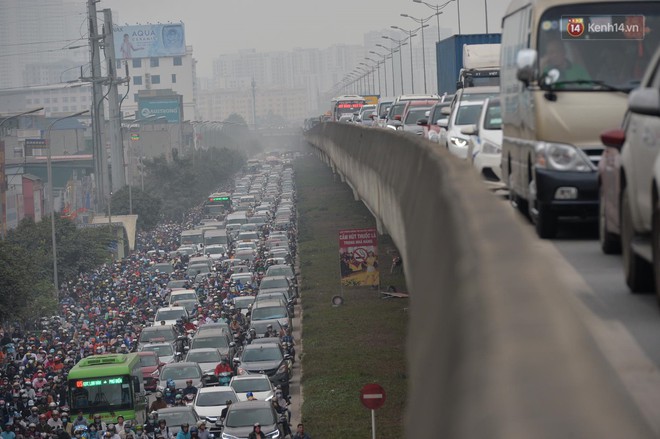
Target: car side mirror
pixel 645 101
pixel 526 66
pixel 422 122
pixel 443 123
pixel 613 138
pixel 470 130
pixel 445 111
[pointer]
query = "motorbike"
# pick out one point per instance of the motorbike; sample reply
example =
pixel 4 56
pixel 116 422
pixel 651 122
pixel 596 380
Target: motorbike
pixel 224 378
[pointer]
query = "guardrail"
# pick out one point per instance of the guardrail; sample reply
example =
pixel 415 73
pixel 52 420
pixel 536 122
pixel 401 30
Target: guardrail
pixel 495 346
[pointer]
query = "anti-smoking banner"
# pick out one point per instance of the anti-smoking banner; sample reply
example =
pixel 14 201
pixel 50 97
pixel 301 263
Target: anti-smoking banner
pixel 358 253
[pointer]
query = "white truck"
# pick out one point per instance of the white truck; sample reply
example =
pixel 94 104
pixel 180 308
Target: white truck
pixel 481 65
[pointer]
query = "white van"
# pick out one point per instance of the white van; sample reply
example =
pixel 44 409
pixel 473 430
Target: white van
pixel 567 68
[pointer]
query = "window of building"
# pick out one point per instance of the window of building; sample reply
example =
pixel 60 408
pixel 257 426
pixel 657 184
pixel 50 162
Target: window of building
pixel 65 108
pixel 46 100
pixel 173 78
pixel 28 101
pixel 65 99
pixel 177 60
pixel 137 63
pixel 55 109
pixel 37 101
pixel 137 80
pixel 118 64
pixel 155 79
pixel 55 101
pixel 154 62
pixel 74 99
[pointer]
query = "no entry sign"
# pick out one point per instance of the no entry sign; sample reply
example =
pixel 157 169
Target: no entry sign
pixel 372 396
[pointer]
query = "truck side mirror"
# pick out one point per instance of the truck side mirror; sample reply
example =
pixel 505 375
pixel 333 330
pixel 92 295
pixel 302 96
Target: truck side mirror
pixel 645 101
pixel 526 64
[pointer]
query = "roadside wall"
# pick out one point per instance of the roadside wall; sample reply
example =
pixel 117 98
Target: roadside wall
pixel 495 346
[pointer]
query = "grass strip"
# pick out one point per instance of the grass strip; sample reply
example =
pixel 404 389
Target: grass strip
pixel 362 341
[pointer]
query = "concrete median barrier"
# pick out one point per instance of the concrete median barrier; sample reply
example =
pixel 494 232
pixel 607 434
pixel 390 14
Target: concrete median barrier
pixel 496 347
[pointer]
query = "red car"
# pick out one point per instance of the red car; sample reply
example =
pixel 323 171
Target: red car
pixel 150 365
pixel 431 128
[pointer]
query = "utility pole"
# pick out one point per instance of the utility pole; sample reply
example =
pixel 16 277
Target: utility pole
pixel 114 128
pixel 98 117
pixel 254 103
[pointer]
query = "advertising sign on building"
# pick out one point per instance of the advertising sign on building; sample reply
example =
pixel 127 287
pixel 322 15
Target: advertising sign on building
pixel 149 40
pixel 358 255
pixel 168 108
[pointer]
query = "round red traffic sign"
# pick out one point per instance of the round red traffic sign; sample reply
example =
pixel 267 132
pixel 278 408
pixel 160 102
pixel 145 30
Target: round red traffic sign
pixel 372 396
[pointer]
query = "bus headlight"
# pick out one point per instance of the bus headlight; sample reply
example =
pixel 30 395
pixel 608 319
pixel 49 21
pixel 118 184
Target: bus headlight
pixel 562 157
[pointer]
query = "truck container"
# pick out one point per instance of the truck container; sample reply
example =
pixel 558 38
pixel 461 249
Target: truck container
pixel 449 56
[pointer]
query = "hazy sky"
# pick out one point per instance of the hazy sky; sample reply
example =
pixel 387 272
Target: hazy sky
pixel 223 26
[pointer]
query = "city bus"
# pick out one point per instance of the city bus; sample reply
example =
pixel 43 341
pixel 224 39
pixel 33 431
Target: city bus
pixel 195 236
pixel 217 204
pixel 348 104
pixel 109 385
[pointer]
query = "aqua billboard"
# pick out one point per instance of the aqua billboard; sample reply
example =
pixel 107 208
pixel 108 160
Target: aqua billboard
pixel 149 40
pixel 168 108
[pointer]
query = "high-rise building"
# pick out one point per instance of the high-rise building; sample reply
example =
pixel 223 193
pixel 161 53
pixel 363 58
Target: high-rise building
pixel 36 37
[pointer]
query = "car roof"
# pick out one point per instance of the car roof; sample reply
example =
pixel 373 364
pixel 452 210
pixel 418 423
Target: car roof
pixel 248 405
pixel 214 389
pixel 147 353
pixel 171 308
pixel 279 276
pixel 155 327
pixel 181 364
pixel 175 409
pixel 250 376
pixel 203 350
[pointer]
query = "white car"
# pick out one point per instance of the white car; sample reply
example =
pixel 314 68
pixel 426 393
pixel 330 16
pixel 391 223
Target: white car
pixel 170 315
pixel 215 251
pixel 210 401
pixel 207 358
pixel 258 384
pixel 164 350
pixel 485 141
pixel 464 114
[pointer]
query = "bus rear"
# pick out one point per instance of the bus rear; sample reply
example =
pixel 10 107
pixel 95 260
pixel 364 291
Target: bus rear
pixel 108 385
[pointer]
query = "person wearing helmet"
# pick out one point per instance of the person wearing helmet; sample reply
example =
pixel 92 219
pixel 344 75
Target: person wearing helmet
pixel 164 430
pixel 159 403
pixel 55 422
pixel 223 367
pixel 184 433
pixel 202 432
pixel 194 433
pixel 256 432
pixel 250 396
pixel 225 409
pixel 42 426
pixel 80 431
pixel 270 332
pixel 189 389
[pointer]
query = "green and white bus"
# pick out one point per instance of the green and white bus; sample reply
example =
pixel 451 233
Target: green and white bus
pixel 109 385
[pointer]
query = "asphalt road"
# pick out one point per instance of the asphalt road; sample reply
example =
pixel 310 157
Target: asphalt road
pixel 625 326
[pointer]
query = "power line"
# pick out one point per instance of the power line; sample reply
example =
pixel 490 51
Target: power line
pixel 45 42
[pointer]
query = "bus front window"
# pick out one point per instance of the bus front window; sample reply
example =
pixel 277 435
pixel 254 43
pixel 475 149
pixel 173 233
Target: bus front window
pixel 101 394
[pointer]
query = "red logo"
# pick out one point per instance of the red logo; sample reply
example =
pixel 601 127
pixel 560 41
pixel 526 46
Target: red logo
pixel 575 27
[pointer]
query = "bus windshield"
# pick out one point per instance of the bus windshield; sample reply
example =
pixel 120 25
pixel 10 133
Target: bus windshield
pixel 101 394
pixel 616 43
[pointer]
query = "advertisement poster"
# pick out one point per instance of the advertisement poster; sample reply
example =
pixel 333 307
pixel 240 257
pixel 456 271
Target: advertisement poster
pixel 358 253
pixel 149 40
pixel 170 109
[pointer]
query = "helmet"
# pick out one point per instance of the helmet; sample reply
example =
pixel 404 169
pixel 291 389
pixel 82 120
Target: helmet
pixel 78 429
pixel 249 394
pixel 171 383
pixel 159 394
pixel 185 424
pixel 193 430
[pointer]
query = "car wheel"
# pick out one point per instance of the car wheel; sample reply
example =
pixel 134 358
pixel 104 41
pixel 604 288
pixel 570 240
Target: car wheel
pixel 638 272
pixel 545 223
pixel 655 243
pixel 610 243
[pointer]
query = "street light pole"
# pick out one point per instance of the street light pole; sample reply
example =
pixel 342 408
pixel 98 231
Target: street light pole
pixel 52 197
pixel 437 9
pixel 377 63
pixel 422 21
pixel 384 66
pixel 391 49
pixel 411 33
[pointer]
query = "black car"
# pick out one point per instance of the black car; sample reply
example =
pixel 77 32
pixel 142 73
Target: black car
pixel 269 359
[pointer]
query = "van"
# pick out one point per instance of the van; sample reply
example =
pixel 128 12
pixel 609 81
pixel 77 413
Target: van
pixel 216 237
pixel 236 218
pixel 567 68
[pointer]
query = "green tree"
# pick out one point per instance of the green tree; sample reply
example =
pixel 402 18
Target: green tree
pixel 145 206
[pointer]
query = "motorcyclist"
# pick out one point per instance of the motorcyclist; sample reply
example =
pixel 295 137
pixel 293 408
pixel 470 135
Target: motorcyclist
pixel 189 389
pixel 184 433
pixel 223 366
pixel 281 404
pixel 270 332
pixel 169 397
pixel 159 403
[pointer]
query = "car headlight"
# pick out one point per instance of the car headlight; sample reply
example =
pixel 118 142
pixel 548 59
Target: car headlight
pixel 275 433
pixel 458 141
pixel 228 436
pixel 491 148
pixel 562 157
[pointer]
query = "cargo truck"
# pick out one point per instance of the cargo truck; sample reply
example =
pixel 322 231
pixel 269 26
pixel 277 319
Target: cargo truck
pixel 468 60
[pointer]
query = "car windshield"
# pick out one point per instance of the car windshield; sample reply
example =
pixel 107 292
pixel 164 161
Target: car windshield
pixel 467 114
pixel 183 296
pixel 248 235
pixel 247 418
pixel 175 419
pixel 209 399
pixel 180 373
pixel 204 357
pixel 176 283
pixel 396 110
pixel 415 115
pixel 251 385
pixel 243 302
pixel 615 47
pixel 493 119
pixel 163 350
pixel 172 314
pixel 165 333
pixel 209 342
pixel 148 360
pixel 215 251
pixel 273 283
pixel 279 271
pixel 269 313
pixel 262 354
pixel 471 96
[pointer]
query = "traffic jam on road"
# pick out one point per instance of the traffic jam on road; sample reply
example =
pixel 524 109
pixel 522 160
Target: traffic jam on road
pixel 193 331
pixel 564 119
